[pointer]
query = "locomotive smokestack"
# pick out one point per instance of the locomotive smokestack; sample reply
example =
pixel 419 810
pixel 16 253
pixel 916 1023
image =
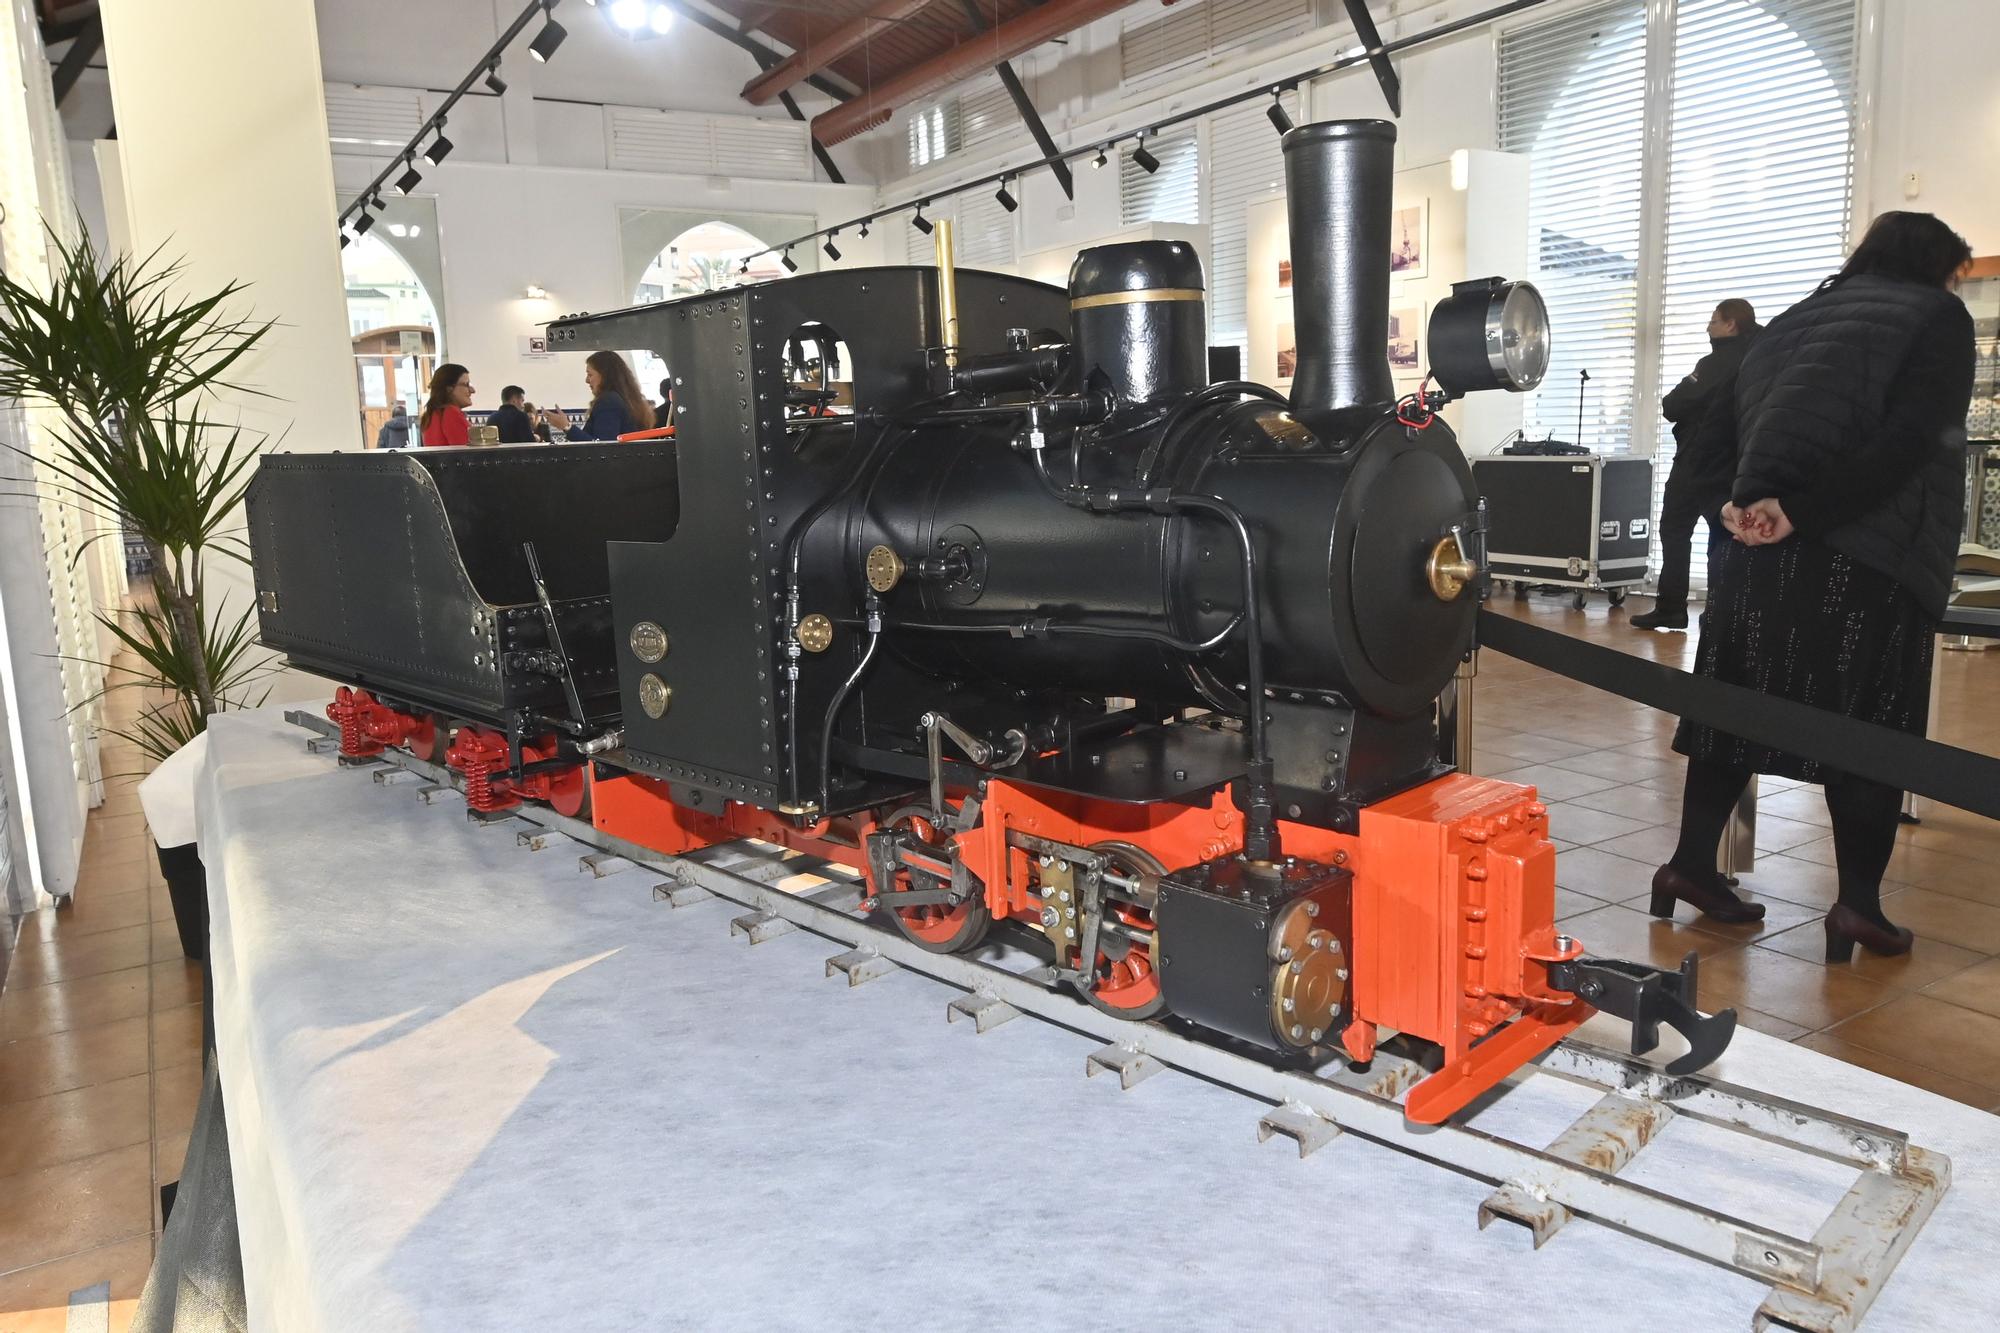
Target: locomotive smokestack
pixel 1338 179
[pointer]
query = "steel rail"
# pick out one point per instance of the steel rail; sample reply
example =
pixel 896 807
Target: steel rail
pixel 1822 1284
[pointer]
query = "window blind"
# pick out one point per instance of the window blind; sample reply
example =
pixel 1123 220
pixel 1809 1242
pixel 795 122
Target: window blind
pixel 1755 194
pixel 1572 97
pixel 1245 164
pixel 1171 194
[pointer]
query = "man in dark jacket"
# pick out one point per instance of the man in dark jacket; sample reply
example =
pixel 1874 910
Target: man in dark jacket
pixel 515 425
pixel 1698 485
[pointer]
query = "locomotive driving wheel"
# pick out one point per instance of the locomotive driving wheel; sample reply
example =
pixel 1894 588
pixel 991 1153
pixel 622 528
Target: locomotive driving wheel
pixel 1126 974
pixel 938 927
pixel 431 740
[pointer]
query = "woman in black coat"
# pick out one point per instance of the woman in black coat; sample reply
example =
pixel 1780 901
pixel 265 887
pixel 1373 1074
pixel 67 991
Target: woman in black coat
pixel 1850 478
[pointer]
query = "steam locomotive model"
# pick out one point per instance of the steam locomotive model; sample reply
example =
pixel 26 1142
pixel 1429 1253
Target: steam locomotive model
pixel 1042 632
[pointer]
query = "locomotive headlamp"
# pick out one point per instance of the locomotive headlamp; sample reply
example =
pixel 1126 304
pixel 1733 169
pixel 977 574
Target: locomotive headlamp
pixel 1490 334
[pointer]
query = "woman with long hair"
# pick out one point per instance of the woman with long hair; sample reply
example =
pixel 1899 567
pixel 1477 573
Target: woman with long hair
pixel 443 421
pixel 617 407
pixel 1849 486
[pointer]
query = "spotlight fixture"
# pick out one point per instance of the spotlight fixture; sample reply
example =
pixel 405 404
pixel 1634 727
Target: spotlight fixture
pixel 409 180
pixel 1006 198
pixel 344 239
pixel 791 265
pixel 535 292
pixel 745 270
pixel 832 250
pixel 494 81
pixel 629 14
pixel 398 229
pixel 547 40
pixel 1101 159
pixel 363 223
pixel 440 147
pixel 920 222
pixel 864 231
pixel 1143 157
pixel 1281 120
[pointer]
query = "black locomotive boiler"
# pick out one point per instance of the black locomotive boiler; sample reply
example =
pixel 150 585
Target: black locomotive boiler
pixel 1042 628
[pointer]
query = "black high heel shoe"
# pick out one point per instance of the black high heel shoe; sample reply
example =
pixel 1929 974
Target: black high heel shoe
pixel 1714 901
pixel 1846 928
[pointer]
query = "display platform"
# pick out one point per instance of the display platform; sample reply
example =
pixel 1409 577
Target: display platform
pixel 469 1087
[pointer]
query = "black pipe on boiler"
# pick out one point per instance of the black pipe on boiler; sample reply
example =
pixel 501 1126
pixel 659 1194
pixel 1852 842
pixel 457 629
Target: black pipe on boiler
pixel 1339 178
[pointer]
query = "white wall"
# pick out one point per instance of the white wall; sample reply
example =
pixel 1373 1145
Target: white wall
pixel 1937 115
pixel 502 228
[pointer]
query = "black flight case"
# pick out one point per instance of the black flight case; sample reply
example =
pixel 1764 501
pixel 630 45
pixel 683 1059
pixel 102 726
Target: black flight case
pixel 1578 521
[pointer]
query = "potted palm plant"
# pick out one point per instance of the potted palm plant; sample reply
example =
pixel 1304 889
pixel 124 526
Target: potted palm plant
pixel 130 365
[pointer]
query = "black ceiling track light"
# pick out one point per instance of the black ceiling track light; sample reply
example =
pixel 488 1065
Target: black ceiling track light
pixel 402 166
pixel 791 264
pixel 920 222
pixel 832 250
pixel 549 38
pixel 1143 158
pixel 1281 119
pixel 1100 160
pixel 1006 198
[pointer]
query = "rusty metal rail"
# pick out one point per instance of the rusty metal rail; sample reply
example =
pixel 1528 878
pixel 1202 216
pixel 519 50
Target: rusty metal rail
pixel 1824 1283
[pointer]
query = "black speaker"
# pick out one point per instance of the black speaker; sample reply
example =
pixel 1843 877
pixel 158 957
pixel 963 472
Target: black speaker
pixel 1225 363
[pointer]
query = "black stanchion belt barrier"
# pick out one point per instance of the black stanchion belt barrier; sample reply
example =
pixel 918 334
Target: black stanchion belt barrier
pixel 1865 749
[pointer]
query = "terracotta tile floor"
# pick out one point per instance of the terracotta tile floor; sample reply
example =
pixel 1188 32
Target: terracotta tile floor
pixel 1613 786
pixel 100 1048
pixel 100 1022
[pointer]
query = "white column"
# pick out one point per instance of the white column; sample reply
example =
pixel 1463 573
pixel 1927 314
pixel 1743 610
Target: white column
pixel 225 167
pixel 224 162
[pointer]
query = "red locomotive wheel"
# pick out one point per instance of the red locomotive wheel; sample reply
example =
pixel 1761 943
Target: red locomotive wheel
pixel 431 740
pixel 1128 981
pixel 569 794
pixel 934 926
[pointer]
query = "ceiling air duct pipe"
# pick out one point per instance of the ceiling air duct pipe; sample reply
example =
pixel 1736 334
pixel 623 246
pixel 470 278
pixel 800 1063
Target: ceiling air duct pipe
pixel 1339 175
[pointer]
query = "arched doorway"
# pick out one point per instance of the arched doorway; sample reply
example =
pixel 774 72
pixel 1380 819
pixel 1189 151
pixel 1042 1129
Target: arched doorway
pixel 706 257
pixel 394 323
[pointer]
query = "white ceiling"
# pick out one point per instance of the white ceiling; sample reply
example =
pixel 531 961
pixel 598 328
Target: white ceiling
pixel 431 44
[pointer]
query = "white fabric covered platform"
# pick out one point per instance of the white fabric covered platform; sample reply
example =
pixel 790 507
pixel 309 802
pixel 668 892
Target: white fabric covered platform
pixel 471 1088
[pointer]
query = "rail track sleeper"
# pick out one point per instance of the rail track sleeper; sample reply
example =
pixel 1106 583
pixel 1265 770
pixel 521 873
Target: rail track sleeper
pixel 859 965
pixel 1301 1124
pixel 987 1011
pixel 1607 1136
pixel 601 864
pixel 760 926
pixel 1132 1066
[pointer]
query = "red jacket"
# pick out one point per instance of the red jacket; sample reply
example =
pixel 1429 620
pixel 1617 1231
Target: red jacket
pixel 448 426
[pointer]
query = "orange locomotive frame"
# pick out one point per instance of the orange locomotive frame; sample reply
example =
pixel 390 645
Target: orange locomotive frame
pixel 1453 925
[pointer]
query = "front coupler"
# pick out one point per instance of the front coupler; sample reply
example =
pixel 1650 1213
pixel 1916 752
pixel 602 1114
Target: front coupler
pixel 1646 996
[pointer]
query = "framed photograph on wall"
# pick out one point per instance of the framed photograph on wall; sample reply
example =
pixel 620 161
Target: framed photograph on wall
pixel 1288 353
pixel 1409 240
pixel 1406 339
pixel 1284 275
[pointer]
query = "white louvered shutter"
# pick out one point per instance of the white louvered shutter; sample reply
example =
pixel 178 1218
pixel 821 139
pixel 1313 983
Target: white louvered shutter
pixel 1195 33
pixel 1171 194
pixel 1573 98
pixel 1761 182
pixel 1245 164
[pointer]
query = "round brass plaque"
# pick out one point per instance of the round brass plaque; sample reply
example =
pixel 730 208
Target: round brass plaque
pixel 649 641
pixel 654 695
pixel 815 633
pixel 885 569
